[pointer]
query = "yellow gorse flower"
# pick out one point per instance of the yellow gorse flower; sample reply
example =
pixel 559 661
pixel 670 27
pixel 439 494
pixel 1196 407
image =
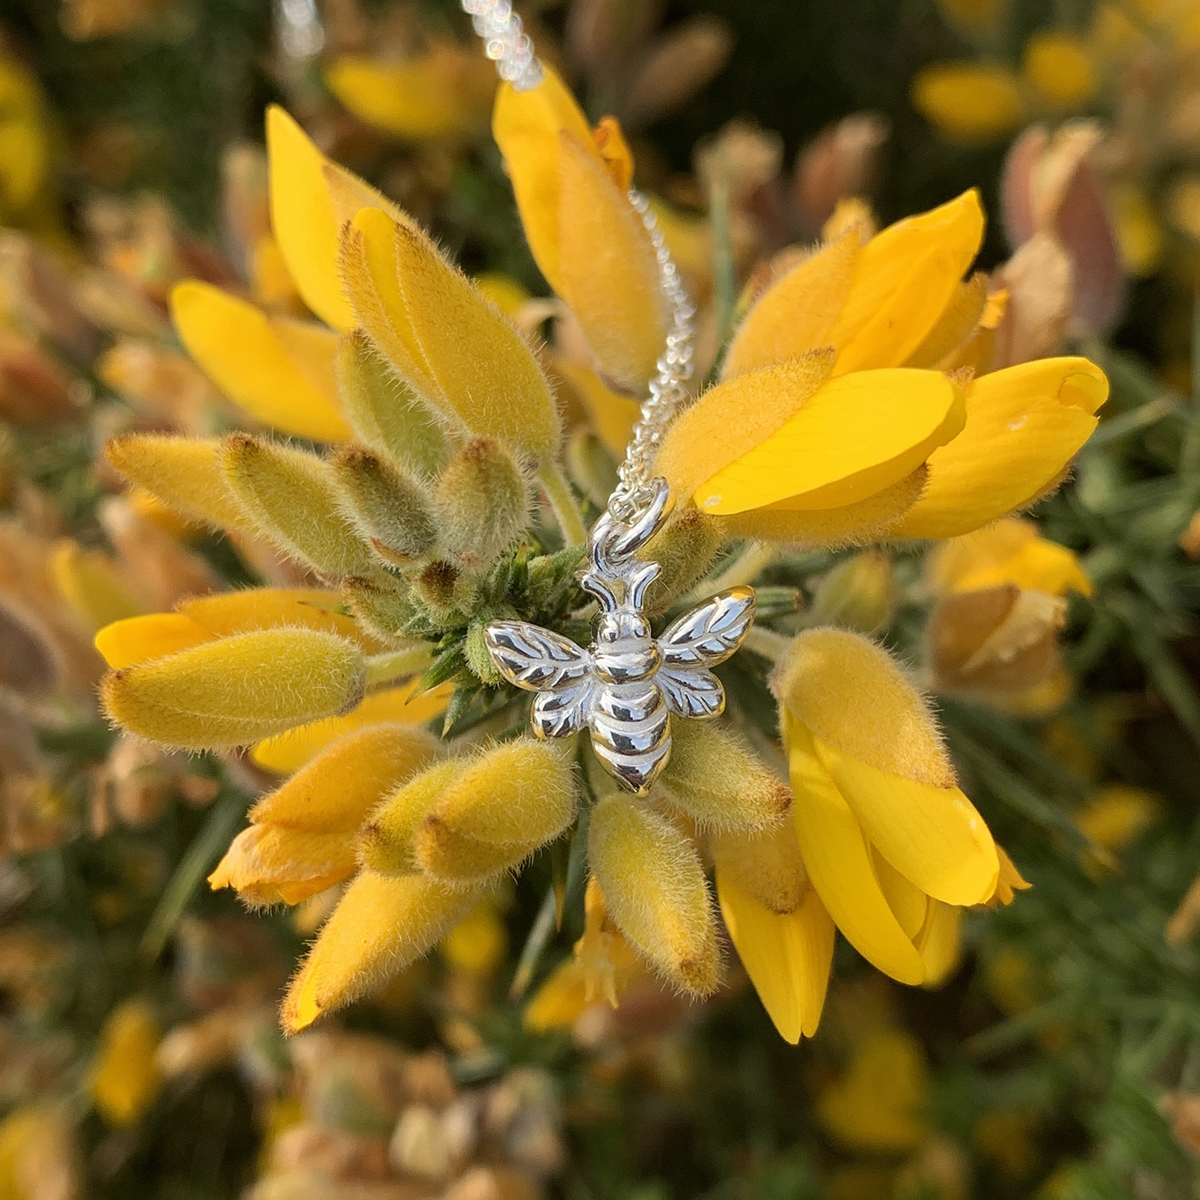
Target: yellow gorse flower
pixel 891 845
pixel 855 402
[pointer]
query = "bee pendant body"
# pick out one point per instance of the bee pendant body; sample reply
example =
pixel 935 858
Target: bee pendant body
pixel 627 685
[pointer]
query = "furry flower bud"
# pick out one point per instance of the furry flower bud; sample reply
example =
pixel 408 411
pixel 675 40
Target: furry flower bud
pixel 716 779
pixel 464 821
pixel 859 593
pixel 184 473
pixel 301 837
pixel 380 925
pixel 386 413
pixel 765 864
pixel 684 549
pixel 238 689
pixel 390 511
pixel 293 497
pixel 483 502
pixel 654 887
pixel 380 603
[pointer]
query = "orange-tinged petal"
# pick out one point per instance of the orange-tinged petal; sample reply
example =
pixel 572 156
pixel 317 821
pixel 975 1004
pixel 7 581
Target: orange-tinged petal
pixel 855 436
pixel 1024 425
pixel 143 639
pixel 608 273
pixel 280 371
pixel 933 836
pixel 885 296
pixel 526 126
pixel 307 216
pixel 839 865
pixel 734 417
pixel 797 313
pixel 290 751
pixel 786 956
pixel 268 865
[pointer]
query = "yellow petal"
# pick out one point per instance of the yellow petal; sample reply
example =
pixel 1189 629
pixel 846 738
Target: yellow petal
pixel 933 836
pixel 959 320
pixel 380 925
pixel 88 582
pixel 291 750
pixel 526 126
pixel 908 903
pixel 484 373
pixel 1008 552
pixel 184 473
pixel 734 417
pixel 906 277
pixel 796 315
pixel 968 101
pixel 142 639
pixel 940 942
pixel 1024 425
pixel 264 608
pixel 853 437
pixel 607 270
pixel 764 865
pixel 839 865
pixel 280 371
pixel 1059 68
pixel 787 957
pixel 655 890
pixel 428 96
pixel 307 215
pixel 236 690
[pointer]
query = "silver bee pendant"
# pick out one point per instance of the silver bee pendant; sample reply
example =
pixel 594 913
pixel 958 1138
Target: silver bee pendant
pixel 627 685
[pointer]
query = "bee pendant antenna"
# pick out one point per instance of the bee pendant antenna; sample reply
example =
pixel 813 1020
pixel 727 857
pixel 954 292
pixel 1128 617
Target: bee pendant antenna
pixel 627 686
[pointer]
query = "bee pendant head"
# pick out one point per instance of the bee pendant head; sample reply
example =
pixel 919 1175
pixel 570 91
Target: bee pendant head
pixel 627 685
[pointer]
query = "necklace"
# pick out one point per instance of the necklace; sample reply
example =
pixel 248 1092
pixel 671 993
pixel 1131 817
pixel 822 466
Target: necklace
pixel 627 685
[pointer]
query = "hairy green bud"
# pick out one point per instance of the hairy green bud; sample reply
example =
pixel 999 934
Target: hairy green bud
pixel 391 511
pixel 858 594
pixel 483 502
pixel 385 412
pixel 685 548
pixel 294 499
pixel 381 603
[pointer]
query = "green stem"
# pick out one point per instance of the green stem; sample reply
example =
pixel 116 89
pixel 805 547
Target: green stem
pixel 766 643
pixel 396 664
pixel 562 501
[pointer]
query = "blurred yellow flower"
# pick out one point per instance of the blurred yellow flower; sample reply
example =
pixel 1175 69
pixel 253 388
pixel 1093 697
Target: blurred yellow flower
pixel 1059 69
pixel 126 1079
pixel 969 101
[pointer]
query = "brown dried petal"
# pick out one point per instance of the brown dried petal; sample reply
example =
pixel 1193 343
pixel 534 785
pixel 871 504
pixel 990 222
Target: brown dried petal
pixel 1039 280
pixel 843 161
pixel 676 67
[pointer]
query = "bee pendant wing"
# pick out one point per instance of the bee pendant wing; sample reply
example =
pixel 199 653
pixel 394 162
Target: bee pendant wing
pixel 534 658
pixel 700 639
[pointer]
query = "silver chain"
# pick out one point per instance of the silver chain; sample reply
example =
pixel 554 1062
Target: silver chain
pixel 510 47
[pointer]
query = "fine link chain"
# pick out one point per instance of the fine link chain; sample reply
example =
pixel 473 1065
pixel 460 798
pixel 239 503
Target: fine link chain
pixel 510 47
pixel 505 42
